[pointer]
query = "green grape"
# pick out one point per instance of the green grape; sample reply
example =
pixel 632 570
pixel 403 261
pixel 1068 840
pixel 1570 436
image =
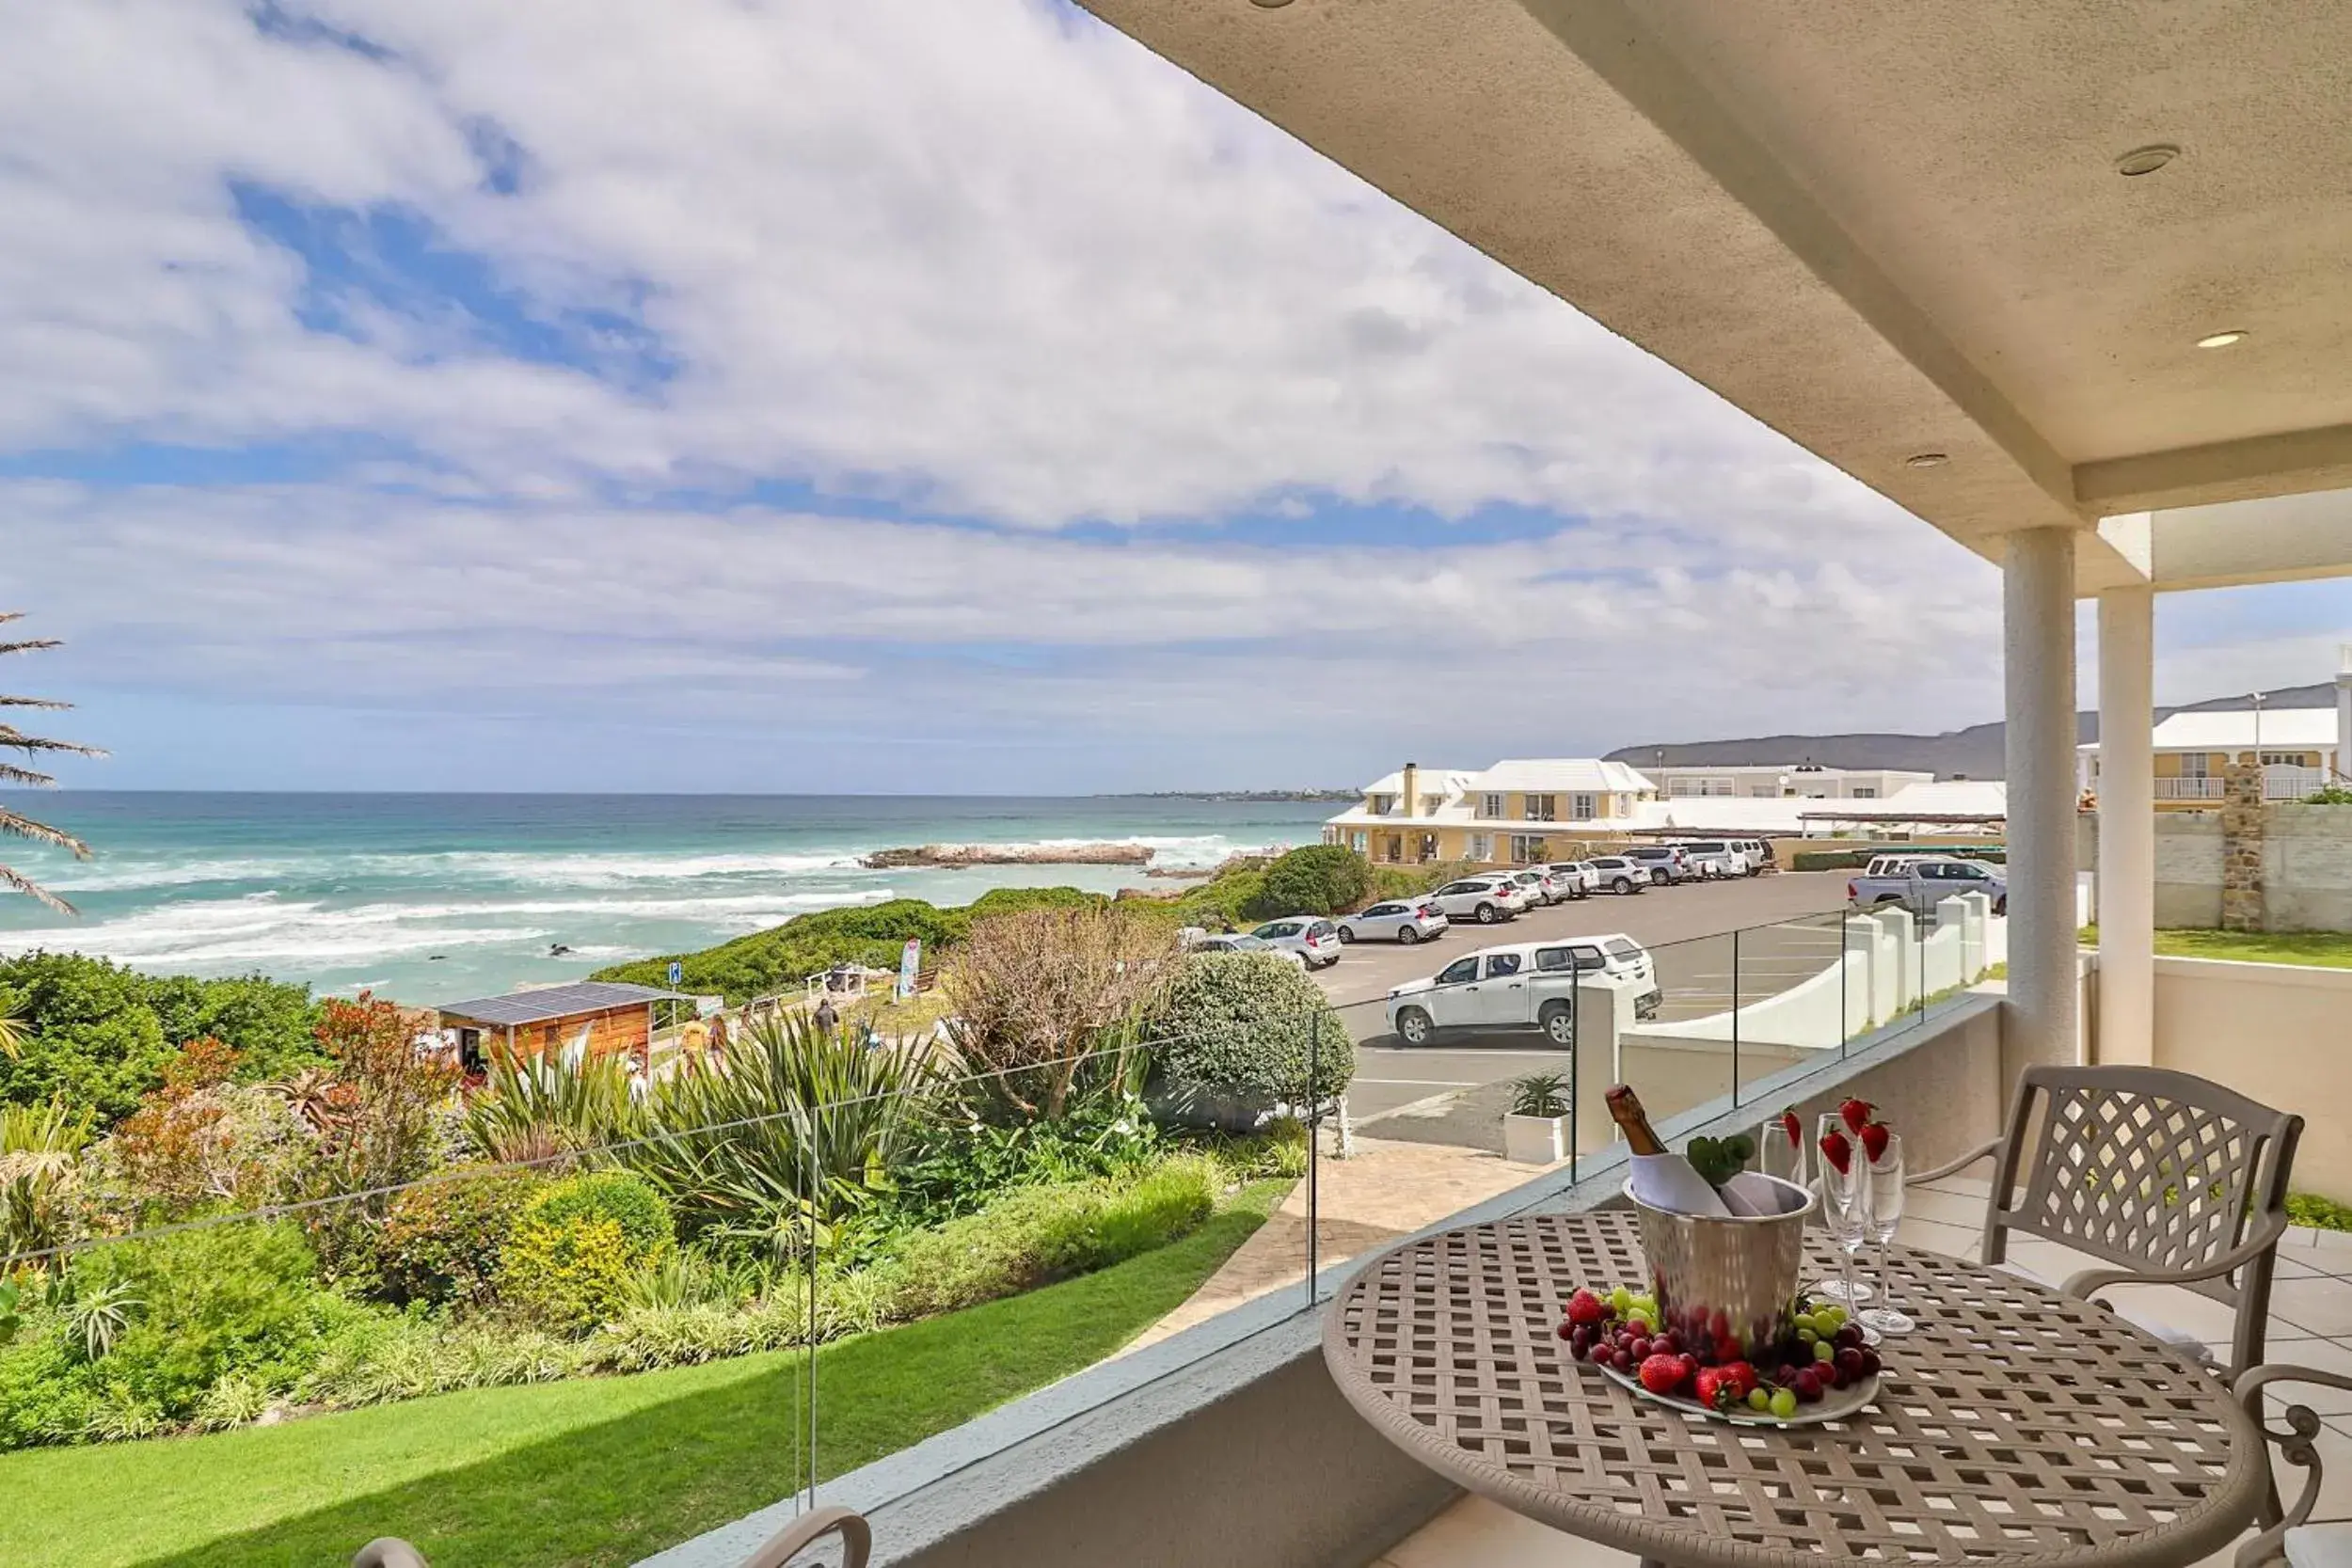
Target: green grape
pixel 1824 1351
pixel 1783 1403
pixel 1808 1322
pixel 1760 1398
pixel 1622 1299
pixel 1806 1336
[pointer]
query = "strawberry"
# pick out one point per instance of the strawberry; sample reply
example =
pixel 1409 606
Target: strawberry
pixel 1837 1150
pixel 1855 1113
pixel 1714 1389
pixel 1795 1129
pixel 1742 1376
pixel 1663 1375
pixel 1585 1310
pixel 1874 1140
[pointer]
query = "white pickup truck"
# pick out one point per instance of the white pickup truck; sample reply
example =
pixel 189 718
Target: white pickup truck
pixel 1920 885
pixel 1526 984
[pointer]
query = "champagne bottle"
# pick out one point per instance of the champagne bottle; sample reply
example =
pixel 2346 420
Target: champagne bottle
pixel 1626 1107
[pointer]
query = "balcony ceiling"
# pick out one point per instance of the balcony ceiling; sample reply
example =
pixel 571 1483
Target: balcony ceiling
pixel 1887 227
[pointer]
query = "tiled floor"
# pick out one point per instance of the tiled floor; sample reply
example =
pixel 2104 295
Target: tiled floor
pixel 2310 1324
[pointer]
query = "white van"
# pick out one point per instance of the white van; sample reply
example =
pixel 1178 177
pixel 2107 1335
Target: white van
pixel 1526 984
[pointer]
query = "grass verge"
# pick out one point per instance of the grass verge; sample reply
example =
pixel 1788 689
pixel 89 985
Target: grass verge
pixel 601 1471
pixel 2314 949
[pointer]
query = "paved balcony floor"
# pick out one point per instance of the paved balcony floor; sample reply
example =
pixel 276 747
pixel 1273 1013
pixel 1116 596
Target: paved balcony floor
pixel 2310 1324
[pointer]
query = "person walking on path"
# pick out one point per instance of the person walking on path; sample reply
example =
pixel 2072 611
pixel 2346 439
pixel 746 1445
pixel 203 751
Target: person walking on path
pixel 827 1019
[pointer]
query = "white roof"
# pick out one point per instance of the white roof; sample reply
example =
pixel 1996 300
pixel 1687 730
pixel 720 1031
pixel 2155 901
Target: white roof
pixel 2288 729
pixel 1427 781
pixel 1545 775
pixel 1953 798
pixel 1726 814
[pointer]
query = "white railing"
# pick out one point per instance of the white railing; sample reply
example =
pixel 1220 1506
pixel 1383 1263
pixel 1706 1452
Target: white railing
pixel 2189 790
pixel 2280 781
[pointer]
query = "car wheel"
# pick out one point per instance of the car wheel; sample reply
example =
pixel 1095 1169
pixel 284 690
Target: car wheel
pixel 1558 1022
pixel 2001 908
pixel 1488 914
pixel 1622 885
pixel 1412 1026
pixel 1408 935
pixel 1347 935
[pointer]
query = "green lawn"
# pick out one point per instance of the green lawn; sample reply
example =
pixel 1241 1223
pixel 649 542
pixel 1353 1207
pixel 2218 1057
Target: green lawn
pixel 599 1471
pixel 2321 949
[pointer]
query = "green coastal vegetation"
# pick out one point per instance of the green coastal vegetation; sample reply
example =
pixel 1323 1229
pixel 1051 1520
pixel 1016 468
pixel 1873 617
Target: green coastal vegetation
pixel 261 1238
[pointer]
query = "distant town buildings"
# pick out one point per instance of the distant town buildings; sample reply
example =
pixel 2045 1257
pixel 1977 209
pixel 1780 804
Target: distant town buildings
pixel 1779 780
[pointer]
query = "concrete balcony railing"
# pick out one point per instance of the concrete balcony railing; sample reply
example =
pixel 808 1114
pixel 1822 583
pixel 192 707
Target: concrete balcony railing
pixel 2279 784
pixel 2189 790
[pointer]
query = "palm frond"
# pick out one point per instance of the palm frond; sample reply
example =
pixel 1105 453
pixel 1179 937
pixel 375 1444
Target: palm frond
pixel 10 773
pixel 49 703
pixel 41 833
pixel 15 739
pixel 10 878
pixel 34 645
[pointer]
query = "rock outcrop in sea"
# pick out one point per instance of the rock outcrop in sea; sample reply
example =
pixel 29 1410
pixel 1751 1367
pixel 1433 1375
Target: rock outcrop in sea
pixel 954 856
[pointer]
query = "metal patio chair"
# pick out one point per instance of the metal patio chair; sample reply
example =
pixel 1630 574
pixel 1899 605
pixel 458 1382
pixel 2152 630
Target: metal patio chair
pixel 2168 1177
pixel 2287 1533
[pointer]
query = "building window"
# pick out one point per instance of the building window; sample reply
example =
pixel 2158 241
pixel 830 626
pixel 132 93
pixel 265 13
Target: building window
pixel 1358 841
pixel 1721 787
pixel 1863 792
pixel 1763 792
pixel 1490 805
pixel 2193 765
pixel 1681 786
pixel 1396 845
pixel 1384 805
pixel 1543 808
pixel 1527 849
pixel 1583 807
pixel 2283 759
pixel 1482 848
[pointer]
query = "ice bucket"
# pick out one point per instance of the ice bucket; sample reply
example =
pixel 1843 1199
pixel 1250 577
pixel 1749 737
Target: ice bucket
pixel 1720 1278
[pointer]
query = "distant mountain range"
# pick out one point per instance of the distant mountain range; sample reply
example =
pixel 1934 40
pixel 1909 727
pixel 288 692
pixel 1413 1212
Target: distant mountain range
pixel 1973 753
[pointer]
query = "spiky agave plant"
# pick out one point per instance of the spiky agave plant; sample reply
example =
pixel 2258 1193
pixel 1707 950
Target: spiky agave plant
pixel 15 824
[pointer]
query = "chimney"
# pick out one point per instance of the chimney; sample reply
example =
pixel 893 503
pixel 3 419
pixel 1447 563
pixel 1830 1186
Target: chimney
pixel 1412 782
pixel 2343 710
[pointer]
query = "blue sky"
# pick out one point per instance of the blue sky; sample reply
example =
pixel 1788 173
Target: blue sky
pixel 914 396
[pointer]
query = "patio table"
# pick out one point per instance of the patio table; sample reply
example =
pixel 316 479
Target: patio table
pixel 2015 1427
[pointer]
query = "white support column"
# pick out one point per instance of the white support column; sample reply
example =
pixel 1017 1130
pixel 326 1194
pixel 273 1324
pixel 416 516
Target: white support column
pixel 2128 828
pixel 2038 644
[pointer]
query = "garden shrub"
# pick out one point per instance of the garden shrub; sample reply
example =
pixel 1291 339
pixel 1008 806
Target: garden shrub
pixel 443 1240
pixel 1313 878
pixel 238 1297
pixel 1238 1025
pixel 1035 1234
pixel 568 1261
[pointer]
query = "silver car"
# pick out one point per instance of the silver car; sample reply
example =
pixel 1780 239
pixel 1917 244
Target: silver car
pixel 1315 939
pixel 1620 875
pixel 1485 899
pixel 1242 942
pixel 1542 889
pixel 1404 920
pixel 1575 878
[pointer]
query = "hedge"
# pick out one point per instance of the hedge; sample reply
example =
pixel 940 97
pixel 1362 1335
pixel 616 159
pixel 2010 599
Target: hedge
pixel 1236 1025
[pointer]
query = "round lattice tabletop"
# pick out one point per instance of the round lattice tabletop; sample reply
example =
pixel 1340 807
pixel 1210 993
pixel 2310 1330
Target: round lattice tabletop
pixel 2015 1426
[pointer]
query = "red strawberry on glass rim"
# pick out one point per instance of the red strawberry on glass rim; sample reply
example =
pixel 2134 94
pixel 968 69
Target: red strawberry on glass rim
pixel 1873 1135
pixel 1795 1129
pixel 1837 1150
pixel 1856 1113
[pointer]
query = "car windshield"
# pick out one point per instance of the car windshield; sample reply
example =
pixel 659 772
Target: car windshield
pixel 1459 970
pixel 1241 943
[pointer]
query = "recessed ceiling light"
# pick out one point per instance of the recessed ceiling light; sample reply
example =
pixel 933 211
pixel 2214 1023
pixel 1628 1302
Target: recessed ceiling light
pixel 2221 340
pixel 1269 4
pixel 2146 160
pixel 1926 460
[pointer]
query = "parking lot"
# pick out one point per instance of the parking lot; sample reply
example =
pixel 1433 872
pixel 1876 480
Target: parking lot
pixel 1787 927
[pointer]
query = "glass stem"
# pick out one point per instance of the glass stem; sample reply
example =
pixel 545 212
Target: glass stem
pixel 1887 1281
pixel 1854 1302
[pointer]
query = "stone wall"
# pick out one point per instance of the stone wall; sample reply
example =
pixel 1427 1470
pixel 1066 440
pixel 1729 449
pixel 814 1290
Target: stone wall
pixel 2303 878
pixel 2242 848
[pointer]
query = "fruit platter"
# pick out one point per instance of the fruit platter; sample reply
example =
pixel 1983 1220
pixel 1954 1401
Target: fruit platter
pixel 1822 1370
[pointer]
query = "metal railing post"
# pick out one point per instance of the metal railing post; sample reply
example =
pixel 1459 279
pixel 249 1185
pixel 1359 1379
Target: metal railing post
pixel 1314 1143
pixel 1734 1016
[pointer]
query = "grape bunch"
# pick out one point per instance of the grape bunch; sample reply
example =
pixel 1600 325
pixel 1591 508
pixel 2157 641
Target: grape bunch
pixel 1821 1350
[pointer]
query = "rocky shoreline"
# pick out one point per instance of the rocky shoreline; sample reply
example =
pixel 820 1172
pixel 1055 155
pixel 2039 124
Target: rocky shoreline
pixel 951 857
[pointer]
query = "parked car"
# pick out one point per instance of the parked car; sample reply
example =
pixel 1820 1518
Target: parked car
pixel 1619 875
pixel 1312 936
pixel 1921 885
pixel 1486 900
pixel 1753 853
pixel 1713 859
pixel 1576 879
pixel 1666 863
pixel 1405 920
pixel 1896 861
pixel 1529 984
pixel 1237 942
pixel 1542 889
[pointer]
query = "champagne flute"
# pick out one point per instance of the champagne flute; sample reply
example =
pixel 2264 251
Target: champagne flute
pixel 1883 1180
pixel 1848 1291
pixel 1846 1210
pixel 1778 1154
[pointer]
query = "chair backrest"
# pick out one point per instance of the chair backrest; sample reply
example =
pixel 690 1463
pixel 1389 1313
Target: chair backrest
pixel 2145 1167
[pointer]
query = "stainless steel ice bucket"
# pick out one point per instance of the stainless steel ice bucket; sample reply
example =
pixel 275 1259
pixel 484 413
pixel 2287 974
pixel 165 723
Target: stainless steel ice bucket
pixel 1718 1279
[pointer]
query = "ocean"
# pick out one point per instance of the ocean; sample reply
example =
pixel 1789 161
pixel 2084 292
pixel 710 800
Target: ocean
pixel 437 898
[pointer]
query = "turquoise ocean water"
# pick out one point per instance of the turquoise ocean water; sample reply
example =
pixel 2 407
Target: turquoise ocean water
pixel 433 898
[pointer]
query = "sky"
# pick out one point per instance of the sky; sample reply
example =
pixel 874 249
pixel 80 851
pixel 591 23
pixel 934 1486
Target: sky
pixel 917 396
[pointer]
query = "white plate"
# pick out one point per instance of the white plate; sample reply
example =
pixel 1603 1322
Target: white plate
pixel 1835 1404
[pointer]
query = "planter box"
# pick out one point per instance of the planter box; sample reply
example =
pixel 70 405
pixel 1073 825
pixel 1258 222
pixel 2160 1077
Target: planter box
pixel 1535 1140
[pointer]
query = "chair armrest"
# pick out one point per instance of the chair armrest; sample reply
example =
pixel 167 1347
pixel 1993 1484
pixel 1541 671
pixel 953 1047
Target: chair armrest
pixel 1983 1150
pixel 857 1539
pixel 2298 1446
pixel 2080 1285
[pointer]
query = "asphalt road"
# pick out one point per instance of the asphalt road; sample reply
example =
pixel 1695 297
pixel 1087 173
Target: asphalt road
pixel 1787 928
